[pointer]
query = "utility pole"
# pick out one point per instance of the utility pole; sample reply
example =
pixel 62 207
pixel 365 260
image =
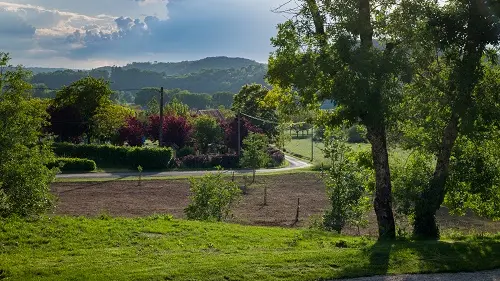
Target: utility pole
pixel 239 134
pixel 161 118
pixel 312 144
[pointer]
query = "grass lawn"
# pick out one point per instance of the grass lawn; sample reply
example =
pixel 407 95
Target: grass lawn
pixel 302 147
pixel 158 248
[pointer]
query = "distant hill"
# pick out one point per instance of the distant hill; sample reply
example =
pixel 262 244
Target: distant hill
pixel 36 70
pixel 187 67
pixel 209 75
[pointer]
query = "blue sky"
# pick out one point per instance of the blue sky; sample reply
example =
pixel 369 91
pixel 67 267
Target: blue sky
pixel 91 33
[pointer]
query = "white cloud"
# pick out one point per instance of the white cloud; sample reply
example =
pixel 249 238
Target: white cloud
pixel 98 31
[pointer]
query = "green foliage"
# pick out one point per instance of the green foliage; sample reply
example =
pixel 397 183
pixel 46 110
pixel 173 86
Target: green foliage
pixel 346 183
pixel 410 177
pixel 24 178
pixel 206 131
pixel 251 100
pixel 194 100
pixel 117 156
pixel 146 96
pixel 150 158
pixel 176 108
pixel 90 96
pixel 224 99
pixel 456 52
pixel 327 51
pixel 108 119
pixel 185 151
pixel 474 180
pixel 356 134
pixel 282 136
pixel 73 165
pixel 212 198
pixel 209 75
pixel 255 152
pixel 153 107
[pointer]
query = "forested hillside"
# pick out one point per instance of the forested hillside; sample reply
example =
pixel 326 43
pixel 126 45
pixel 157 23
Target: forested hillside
pixel 186 67
pixel 209 75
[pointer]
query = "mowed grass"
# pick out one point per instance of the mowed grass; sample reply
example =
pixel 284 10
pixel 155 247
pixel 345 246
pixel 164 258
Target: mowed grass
pixel 158 248
pixel 302 147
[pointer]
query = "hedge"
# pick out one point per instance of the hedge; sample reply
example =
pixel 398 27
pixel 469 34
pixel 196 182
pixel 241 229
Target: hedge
pixel 227 161
pixel 204 161
pixel 73 165
pixel 118 156
pixel 277 157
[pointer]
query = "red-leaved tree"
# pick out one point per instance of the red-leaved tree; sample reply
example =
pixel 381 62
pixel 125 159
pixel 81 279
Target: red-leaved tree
pixel 133 132
pixel 176 130
pixel 231 132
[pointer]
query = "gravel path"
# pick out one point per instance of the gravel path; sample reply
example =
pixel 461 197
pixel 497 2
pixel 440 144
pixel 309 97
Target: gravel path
pixel 493 275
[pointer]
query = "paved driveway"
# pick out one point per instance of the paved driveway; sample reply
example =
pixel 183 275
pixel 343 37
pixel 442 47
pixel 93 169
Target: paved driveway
pixel 493 275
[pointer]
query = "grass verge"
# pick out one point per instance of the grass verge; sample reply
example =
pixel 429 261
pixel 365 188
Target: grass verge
pixel 159 248
pixel 175 177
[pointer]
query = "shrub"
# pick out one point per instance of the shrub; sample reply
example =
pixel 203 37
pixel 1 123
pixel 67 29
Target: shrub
pixel 226 161
pixel 25 188
pixel 212 198
pixel 345 184
pixel 277 158
pixel 73 165
pixel 116 156
pixel 150 158
pixel 409 179
pixel 185 151
pixel 204 161
pixel 196 161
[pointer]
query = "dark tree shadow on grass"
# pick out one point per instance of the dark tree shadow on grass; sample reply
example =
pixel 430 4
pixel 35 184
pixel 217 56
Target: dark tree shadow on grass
pixel 427 257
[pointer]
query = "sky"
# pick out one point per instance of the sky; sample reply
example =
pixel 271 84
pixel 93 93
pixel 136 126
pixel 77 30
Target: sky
pixel 91 33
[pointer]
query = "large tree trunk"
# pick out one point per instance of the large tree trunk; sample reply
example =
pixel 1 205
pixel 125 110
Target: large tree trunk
pixel 425 225
pixel 378 139
pixel 383 196
pixel 462 83
pixel 375 122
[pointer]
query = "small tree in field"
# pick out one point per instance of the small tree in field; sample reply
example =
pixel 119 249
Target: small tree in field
pixel 345 184
pixel 212 198
pixel 255 152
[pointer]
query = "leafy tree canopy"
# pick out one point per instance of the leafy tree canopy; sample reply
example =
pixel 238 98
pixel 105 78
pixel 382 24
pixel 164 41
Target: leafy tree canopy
pixel 24 177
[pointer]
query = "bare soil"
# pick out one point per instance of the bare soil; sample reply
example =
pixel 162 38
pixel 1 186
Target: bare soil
pixel 128 199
